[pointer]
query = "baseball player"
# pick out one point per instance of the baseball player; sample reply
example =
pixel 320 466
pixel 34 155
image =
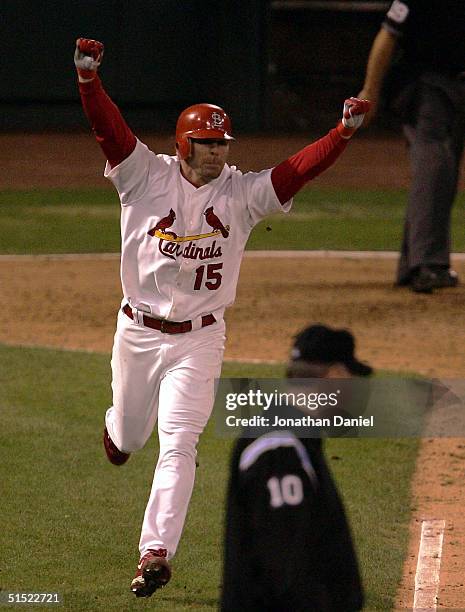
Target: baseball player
pixel 288 544
pixel 185 220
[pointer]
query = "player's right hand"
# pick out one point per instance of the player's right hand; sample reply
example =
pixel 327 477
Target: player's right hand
pixel 87 58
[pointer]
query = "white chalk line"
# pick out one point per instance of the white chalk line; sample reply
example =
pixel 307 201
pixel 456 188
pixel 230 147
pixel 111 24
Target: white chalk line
pixel 259 361
pixel 320 254
pixel 428 565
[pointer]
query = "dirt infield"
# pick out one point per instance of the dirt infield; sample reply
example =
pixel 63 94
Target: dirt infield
pixel 395 329
pixel 72 304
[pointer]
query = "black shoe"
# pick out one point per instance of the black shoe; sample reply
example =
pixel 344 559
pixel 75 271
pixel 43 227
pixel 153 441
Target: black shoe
pixel 446 278
pixel 425 279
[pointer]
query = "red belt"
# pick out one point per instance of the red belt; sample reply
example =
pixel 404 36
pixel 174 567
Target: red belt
pixel 169 327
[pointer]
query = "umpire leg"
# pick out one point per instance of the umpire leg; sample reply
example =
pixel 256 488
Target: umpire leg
pixel 434 164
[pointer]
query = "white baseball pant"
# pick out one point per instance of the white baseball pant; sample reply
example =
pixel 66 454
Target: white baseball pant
pixel 169 378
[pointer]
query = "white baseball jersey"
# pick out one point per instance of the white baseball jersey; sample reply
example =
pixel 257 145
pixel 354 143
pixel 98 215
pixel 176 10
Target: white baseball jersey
pixel 181 246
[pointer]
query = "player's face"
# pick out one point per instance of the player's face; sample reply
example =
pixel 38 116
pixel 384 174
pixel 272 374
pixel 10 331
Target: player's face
pixel 208 158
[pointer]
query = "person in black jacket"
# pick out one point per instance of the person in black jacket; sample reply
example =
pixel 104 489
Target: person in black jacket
pixel 288 546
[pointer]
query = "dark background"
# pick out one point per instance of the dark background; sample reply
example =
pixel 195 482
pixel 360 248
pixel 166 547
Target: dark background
pixel 277 66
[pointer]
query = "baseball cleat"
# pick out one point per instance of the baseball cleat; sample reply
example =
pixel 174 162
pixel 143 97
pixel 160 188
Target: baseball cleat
pixel 153 572
pixel 114 455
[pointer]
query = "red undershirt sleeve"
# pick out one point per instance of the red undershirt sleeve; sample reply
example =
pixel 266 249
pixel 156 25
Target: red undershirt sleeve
pixel 290 176
pixel 110 129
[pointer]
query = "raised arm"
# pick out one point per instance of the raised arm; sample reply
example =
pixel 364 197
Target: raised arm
pixel 110 129
pixel 290 176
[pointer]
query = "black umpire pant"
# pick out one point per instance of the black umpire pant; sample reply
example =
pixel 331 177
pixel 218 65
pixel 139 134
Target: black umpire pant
pixel 435 134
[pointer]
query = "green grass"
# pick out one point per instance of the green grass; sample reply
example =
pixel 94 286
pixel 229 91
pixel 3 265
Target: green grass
pixel 70 520
pixel 327 219
pixel 59 221
pixel 87 221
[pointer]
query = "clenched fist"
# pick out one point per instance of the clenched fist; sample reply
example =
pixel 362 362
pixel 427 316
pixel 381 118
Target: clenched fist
pixel 87 58
pixel 354 112
pixel 352 116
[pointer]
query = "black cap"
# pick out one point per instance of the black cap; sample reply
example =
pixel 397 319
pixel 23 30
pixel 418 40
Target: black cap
pixel 321 344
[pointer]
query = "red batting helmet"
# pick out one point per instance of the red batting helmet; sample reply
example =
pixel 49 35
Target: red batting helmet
pixel 201 121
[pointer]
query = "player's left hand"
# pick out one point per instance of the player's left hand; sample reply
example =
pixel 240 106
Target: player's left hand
pixel 354 112
pixel 87 58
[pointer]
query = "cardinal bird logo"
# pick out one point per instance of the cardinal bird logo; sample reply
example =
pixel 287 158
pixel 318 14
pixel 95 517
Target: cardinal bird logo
pixel 214 222
pixel 163 224
pixel 161 227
